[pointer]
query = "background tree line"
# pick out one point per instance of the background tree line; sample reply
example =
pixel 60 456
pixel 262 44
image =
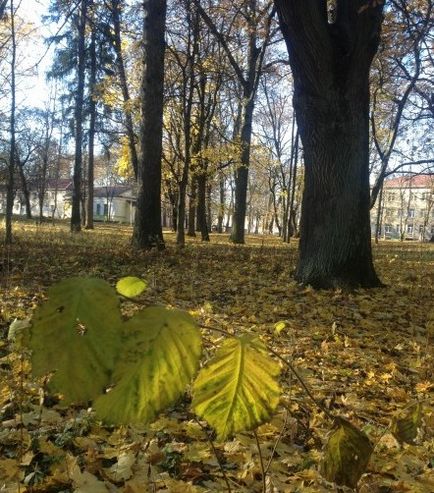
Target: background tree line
pixel 199 99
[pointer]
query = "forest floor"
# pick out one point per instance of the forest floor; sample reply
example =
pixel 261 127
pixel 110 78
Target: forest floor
pixel 366 355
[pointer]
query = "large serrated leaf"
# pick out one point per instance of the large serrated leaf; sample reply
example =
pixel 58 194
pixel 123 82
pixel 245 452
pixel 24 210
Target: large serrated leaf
pixel 237 390
pixel 76 335
pixel 346 454
pixel 160 357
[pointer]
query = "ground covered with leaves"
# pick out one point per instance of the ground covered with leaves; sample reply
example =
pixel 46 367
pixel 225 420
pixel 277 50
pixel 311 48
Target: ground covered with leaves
pixel 366 356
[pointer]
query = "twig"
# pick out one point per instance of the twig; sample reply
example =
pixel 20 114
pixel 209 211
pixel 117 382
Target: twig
pixel 216 455
pixel 276 443
pixel 261 462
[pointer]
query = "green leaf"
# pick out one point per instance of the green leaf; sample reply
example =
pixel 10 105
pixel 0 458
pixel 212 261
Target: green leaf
pixel 346 455
pixel 130 287
pixel 76 334
pixel 160 357
pixel 405 427
pixel 237 390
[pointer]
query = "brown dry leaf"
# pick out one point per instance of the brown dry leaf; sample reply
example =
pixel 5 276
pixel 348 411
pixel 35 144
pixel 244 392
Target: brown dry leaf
pixel 84 482
pixel 9 469
pixel 122 469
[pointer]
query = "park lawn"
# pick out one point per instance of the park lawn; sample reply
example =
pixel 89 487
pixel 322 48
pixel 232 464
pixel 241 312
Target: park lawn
pixel 366 355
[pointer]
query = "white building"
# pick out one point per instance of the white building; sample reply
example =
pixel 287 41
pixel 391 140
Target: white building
pixel 407 208
pixel 111 203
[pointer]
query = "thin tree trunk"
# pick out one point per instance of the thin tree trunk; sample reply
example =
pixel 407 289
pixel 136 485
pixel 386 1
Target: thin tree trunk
pixel 221 212
pixel 292 229
pixel 12 129
pixel 92 113
pixel 25 188
pixel 201 206
pixel 192 208
pixel 242 172
pixel 379 215
pixel 117 43
pixel 189 87
pixel 58 159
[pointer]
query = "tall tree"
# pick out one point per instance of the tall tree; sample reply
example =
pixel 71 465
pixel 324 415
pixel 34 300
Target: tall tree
pixel 92 122
pixel 147 227
pixel 79 98
pixel 120 66
pixel 248 74
pixel 330 58
pixel 12 130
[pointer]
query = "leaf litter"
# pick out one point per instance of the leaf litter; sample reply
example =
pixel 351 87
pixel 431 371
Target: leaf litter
pixel 366 356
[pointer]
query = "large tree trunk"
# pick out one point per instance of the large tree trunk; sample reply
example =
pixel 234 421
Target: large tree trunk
pixel 330 64
pixel 335 243
pixel 148 232
pixel 78 161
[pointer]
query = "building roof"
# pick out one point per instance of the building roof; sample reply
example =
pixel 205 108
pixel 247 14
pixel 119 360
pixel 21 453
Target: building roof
pixel 115 191
pixel 410 181
pixel 60 184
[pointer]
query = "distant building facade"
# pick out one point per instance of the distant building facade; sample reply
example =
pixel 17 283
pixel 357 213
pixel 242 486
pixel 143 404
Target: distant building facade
pixel 111 203
pixel 407 208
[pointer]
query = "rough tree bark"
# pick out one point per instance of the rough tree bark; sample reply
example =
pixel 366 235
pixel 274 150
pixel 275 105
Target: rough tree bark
pixel 10 194
pixel 79 97
pixel 92 122
pixel 330 64
pixel 148 232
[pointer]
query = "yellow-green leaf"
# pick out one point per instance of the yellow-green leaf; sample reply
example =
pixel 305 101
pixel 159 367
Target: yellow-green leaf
pixel 405 426
pixel 278 327
pixel 76 335
pixel 160 357
pixel 237 390
pixel 346 454
pixel 130 287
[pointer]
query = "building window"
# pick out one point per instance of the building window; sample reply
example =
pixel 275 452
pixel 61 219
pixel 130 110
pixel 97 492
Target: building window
pixel 390 196
pixel 397 228
pixel 105 209
pixel 422 212
pixel 421 229
pixel 388 228
pixel 410 212
pixel 426 195
pixel 98 209
pixel 410 229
